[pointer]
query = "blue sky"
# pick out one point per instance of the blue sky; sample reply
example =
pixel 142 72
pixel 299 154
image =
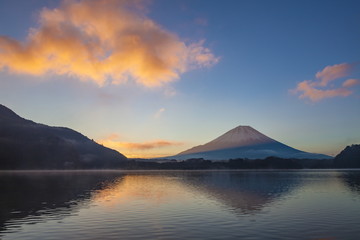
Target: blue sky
pixel 243 62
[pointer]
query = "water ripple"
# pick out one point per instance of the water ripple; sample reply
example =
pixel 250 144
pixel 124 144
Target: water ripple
pixel 181 205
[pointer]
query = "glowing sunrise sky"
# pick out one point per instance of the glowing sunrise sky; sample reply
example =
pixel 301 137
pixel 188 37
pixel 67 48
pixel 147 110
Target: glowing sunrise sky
pixel 155 77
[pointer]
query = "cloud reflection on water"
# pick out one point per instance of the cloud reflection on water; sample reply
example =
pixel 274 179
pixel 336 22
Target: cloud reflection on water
pixel 157 196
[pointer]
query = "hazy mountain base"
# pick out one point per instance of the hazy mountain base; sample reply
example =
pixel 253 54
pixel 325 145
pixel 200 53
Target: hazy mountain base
pixel 258 151
pixel 247 143
pixel 348 158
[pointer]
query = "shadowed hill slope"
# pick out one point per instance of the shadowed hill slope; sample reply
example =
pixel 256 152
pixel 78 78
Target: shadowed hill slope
pixel 349 157
pixel 25 144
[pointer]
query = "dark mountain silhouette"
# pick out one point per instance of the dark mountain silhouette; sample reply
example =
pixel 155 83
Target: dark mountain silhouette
pixel 349 157
pixel 25 144
pixel 245 142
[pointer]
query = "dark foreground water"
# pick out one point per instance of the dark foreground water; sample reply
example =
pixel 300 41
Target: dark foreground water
pixel 180 205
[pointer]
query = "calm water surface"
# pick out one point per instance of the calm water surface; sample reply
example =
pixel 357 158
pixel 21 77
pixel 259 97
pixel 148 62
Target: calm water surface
pixel 180 205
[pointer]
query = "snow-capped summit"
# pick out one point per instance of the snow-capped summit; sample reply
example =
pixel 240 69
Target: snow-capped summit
pixel 244 142
pixel 242 136
pixel 238 137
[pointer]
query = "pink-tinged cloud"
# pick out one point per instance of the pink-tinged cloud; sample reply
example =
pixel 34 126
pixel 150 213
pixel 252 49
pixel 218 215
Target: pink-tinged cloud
pixel 351 82
pixel 149 145
pixel 106 41
pixel 309 91
pixel 318 89
pixel 333 72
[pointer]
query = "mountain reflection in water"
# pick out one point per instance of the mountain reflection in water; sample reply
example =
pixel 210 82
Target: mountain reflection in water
pixel 244 191
pixel 178 204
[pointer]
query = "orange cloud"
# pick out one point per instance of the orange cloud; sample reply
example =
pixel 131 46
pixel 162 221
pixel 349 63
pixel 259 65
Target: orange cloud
pixel 106 41
pixel 112 142
pixel 148 149
pixel 333 72
pixel 318 89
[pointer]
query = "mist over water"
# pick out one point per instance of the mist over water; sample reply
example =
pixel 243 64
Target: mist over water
pixel 180 205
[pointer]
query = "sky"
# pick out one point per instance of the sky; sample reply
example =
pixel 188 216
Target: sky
pixel 153 78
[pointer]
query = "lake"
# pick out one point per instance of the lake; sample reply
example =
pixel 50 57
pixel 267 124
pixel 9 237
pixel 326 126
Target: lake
pixel 305 204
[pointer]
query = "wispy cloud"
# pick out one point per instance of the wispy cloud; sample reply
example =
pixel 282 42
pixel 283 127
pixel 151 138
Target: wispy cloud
pixel 333 72
pixel 316 90
pixel 308 90
pixel 148 145
pixel 113 142
pixel 106 41
pixel 170 92
pixel 159 113
pixel 351 82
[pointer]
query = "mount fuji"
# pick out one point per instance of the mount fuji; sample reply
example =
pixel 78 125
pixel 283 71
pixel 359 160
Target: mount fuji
pixel 244 142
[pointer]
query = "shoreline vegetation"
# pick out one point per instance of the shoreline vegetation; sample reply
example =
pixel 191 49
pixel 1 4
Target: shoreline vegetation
pixel 348 158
